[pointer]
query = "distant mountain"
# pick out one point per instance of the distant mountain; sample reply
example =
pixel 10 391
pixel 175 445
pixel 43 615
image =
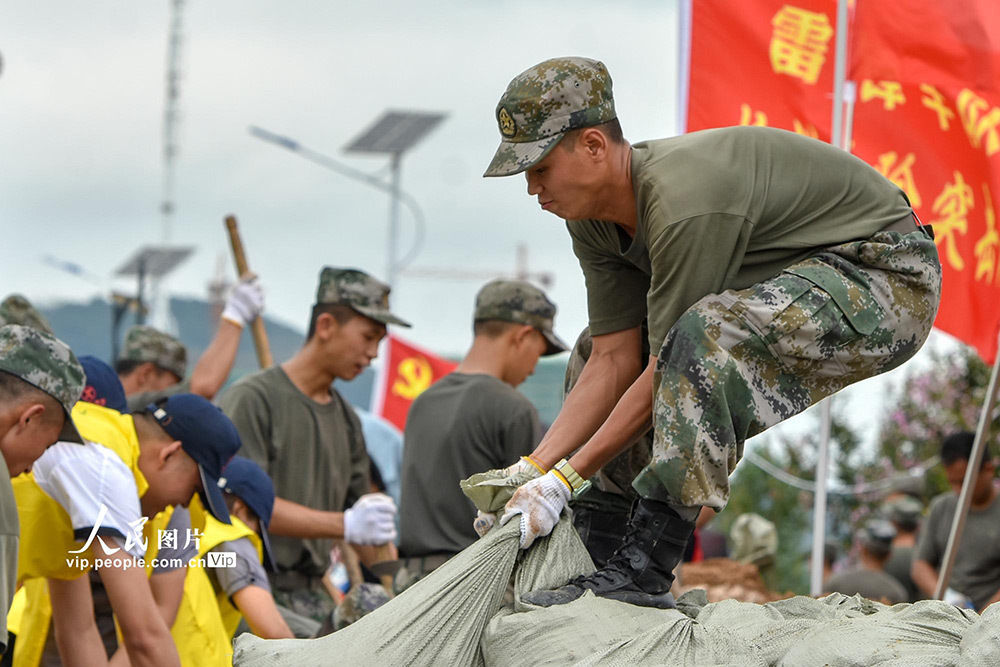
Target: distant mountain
pixel 87 329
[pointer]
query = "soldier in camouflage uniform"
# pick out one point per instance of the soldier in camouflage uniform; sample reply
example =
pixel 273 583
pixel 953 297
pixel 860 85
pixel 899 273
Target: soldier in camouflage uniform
pixel 772 269
pixel 16 309
pixel 473 419
pixel 40 380
pixel 308 439
pixel 150 361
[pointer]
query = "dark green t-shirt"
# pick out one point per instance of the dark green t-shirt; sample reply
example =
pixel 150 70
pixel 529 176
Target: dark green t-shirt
pixel 314 453
pixel 463 424
pixel 872 584
pixel 977 563
pixel 724 209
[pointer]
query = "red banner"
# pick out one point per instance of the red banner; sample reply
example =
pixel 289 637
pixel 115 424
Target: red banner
pixel 765 62
pixel 407 371
pixel 927 116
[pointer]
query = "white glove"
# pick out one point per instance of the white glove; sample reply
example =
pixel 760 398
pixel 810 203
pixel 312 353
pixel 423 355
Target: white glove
pixel 539 502
pixel 953 597
pixel 371 520
pixel 484 521
pixel 245 302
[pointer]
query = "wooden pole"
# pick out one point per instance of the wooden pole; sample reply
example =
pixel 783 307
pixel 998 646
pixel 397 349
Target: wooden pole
pixel 242 271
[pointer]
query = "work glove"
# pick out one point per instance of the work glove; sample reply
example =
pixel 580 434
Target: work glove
pixel 539 504
pixel 371 520
pixel 484 521
pixel 245 302
pixel 953 597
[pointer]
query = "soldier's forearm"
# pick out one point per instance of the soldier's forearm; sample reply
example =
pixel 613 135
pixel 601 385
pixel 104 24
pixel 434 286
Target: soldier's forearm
pixel 294 520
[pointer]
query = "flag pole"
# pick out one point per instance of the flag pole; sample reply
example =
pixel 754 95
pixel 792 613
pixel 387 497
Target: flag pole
pixel 965 497
pixel 683 64
pixel 823 462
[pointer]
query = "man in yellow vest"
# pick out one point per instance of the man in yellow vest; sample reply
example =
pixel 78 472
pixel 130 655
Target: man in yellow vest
pixel 40 380
pixel 132 467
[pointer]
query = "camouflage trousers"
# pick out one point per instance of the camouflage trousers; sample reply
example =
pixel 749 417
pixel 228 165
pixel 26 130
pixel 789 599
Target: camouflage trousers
pixel 738 362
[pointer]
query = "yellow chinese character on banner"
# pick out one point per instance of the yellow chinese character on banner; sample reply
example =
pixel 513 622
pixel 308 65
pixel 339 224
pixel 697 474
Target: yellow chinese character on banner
pixel 750 117
pixel 901 174
pixel 980 122
pixel 890 92
pixel 805 130
pixel 953 205
pixel 799 43
pixel 934 100
pixel 988 246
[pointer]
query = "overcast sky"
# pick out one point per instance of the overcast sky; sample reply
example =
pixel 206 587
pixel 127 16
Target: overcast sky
pixel 81 107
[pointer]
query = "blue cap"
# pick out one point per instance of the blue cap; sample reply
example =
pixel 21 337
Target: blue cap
pixel 208 437
pixel 247 481
pixel 102 384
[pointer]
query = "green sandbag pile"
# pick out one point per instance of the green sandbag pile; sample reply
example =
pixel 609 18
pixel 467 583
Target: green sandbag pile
pixel 456 617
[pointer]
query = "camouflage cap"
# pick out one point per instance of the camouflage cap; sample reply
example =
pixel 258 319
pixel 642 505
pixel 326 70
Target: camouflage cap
pixel 352 287
pixel 144 344
pixel 876 535
pixel 360 601
pixel 16 309
pixel 544 102
pixel 903 510
pixel 522 303
pixel 44 361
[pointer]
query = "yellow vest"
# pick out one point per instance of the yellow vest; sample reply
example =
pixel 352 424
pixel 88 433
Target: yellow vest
pixel 47 533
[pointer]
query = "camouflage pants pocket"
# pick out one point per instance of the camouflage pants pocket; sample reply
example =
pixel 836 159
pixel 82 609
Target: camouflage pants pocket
pixel 739 362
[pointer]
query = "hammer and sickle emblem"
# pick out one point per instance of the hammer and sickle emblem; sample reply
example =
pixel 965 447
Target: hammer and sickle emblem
pixel 507 126
pixel 415 376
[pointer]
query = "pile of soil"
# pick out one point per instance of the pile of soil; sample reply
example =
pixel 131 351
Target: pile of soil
pixel 725 579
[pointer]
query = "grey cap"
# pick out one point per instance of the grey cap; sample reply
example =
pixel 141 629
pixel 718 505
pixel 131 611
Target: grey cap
pixel 544 102
pixel 904 510
pixel 44 361
pixel 519 302
pixel 877 535
pixel 352 287
pixel 16 309
pixel 146 344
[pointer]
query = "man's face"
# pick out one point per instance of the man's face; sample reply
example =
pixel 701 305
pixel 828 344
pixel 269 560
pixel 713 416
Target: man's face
pixel 564 181
pixel 27 440
pixel 982 485
pixel 173 480
pixel 161 379
pixel 532 347
pixel 352 346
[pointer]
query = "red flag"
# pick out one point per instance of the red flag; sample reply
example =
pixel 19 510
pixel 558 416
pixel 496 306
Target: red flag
pixel 765 62
pixel 928 117
pixel 407 371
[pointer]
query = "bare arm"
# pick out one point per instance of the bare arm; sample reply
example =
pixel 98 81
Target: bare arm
pixel 168 590
pixel 73 623
pixel 215 363
pixel 146 636
pixel 925 576
pixel 995 598
pixel 611 371
pixel 262 615
pixel 294 520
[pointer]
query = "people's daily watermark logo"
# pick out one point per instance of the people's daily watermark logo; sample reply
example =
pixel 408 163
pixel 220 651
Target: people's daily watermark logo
pixel 168 540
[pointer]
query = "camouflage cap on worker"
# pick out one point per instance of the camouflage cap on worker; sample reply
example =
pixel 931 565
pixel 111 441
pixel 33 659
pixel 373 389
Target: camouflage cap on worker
pixel 44 361
pixel 904 511
pixel 877 535
pixel 16 309
pixel 543 103
pixel 144 344
pixel 352 287
pixel 522 303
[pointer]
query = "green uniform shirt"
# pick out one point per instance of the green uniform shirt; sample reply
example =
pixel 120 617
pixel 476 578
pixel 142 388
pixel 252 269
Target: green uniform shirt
pixel 724 209
pixel 137 402
pixel 462 425
pixel 872 584
pixel 977 563
pixel 10 531
pixel 314 453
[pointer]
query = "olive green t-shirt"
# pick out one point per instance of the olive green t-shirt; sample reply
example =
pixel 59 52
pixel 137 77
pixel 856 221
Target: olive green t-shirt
pixel 314 453
pixel 724 209
pixel 462 425
pixel 10 532
pixel 872 584
pixel 976 572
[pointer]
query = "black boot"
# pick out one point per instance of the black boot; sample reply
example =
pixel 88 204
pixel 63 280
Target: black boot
pixel 641 571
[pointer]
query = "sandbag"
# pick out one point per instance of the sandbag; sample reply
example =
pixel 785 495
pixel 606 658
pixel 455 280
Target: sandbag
pixel 923 633
pixel 980 645
pixel 437 621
